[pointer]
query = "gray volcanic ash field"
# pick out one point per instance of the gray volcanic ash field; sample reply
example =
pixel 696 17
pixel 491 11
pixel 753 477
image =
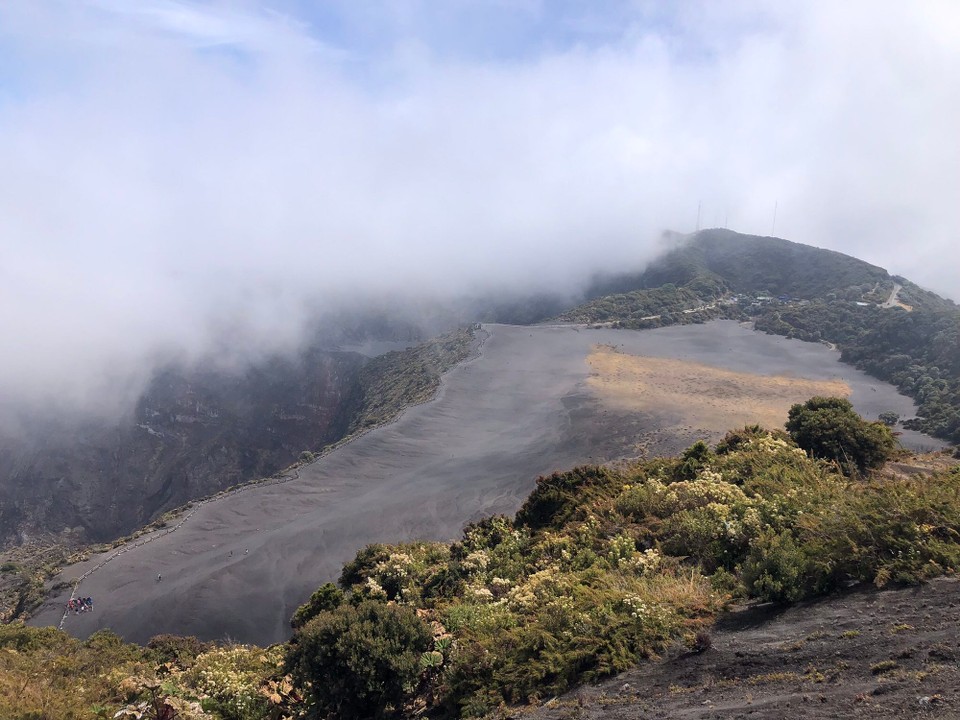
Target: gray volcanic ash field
pixel 239 566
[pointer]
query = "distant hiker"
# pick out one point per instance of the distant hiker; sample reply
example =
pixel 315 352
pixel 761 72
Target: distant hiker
pixel 159 578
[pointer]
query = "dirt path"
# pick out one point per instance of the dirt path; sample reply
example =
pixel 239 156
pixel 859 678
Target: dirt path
pixel 862 654
pixel 894 300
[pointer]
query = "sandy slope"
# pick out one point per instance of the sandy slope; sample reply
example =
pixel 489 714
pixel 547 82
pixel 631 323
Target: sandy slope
pixel 239 566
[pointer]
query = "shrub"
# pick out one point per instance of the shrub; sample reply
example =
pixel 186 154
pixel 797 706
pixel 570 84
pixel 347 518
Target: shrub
pixel 693 460
pixel 889 418
pixel 228 680
pixel 326 597
pixel 360 662
pixel 884 666
pixel 176 649
pixel 737 439
pixel 357 570
pixel 563 497
pixel 829 428
pixel 779 570
pixel 901 530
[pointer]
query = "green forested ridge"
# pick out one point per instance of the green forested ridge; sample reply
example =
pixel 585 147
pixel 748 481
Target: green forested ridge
pixel 701 273
pixel 749 264
pixel 601 568
pixel 664 305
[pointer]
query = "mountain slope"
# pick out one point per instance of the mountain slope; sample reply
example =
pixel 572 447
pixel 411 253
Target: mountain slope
pixel 747 263
pixel 191 434
pixel 195 433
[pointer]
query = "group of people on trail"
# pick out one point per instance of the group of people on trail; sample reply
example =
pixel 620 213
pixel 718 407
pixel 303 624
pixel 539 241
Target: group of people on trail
pixel 79 605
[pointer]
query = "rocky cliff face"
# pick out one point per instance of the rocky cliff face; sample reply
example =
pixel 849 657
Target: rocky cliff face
pixel 190 435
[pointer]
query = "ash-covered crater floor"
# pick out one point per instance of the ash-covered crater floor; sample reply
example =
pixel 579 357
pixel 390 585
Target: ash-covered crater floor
pixel 530 404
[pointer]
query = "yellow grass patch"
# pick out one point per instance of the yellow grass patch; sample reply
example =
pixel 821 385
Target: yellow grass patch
pixel 701 396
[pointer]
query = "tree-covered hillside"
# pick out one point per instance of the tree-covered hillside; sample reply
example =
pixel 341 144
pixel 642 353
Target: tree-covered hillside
pixel 748 264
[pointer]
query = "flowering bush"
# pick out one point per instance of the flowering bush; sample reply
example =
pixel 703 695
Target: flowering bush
pixel 230 680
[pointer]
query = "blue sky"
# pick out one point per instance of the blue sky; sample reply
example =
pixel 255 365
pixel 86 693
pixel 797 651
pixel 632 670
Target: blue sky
pixel 172 168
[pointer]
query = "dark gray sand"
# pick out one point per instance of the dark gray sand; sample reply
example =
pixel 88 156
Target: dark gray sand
pixel 239 566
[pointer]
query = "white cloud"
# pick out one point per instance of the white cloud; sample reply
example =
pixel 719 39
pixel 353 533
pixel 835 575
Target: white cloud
pixel 177 172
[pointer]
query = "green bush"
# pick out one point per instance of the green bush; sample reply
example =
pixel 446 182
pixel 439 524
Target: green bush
pixel 326 597
pixel 692 461
pixel 562 497
pixel 779 570
pixel 829 428
pixel 902 531
pixel 362 565
pixel 360 662
pixel 177 649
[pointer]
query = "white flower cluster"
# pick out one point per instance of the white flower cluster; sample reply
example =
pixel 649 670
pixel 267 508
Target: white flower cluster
pixel 477 560
pixel 397 565
pixel 481 593
pixel 375 589
pixel 233 676
pixel 639 608
pixel 774 445
pixel 708 487
pixel 645 562
pixel 539 588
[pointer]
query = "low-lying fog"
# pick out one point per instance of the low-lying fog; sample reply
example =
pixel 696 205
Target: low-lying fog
pixel 195 182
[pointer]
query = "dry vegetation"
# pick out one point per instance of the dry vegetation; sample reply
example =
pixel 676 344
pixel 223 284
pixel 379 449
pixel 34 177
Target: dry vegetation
pixel 697 393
